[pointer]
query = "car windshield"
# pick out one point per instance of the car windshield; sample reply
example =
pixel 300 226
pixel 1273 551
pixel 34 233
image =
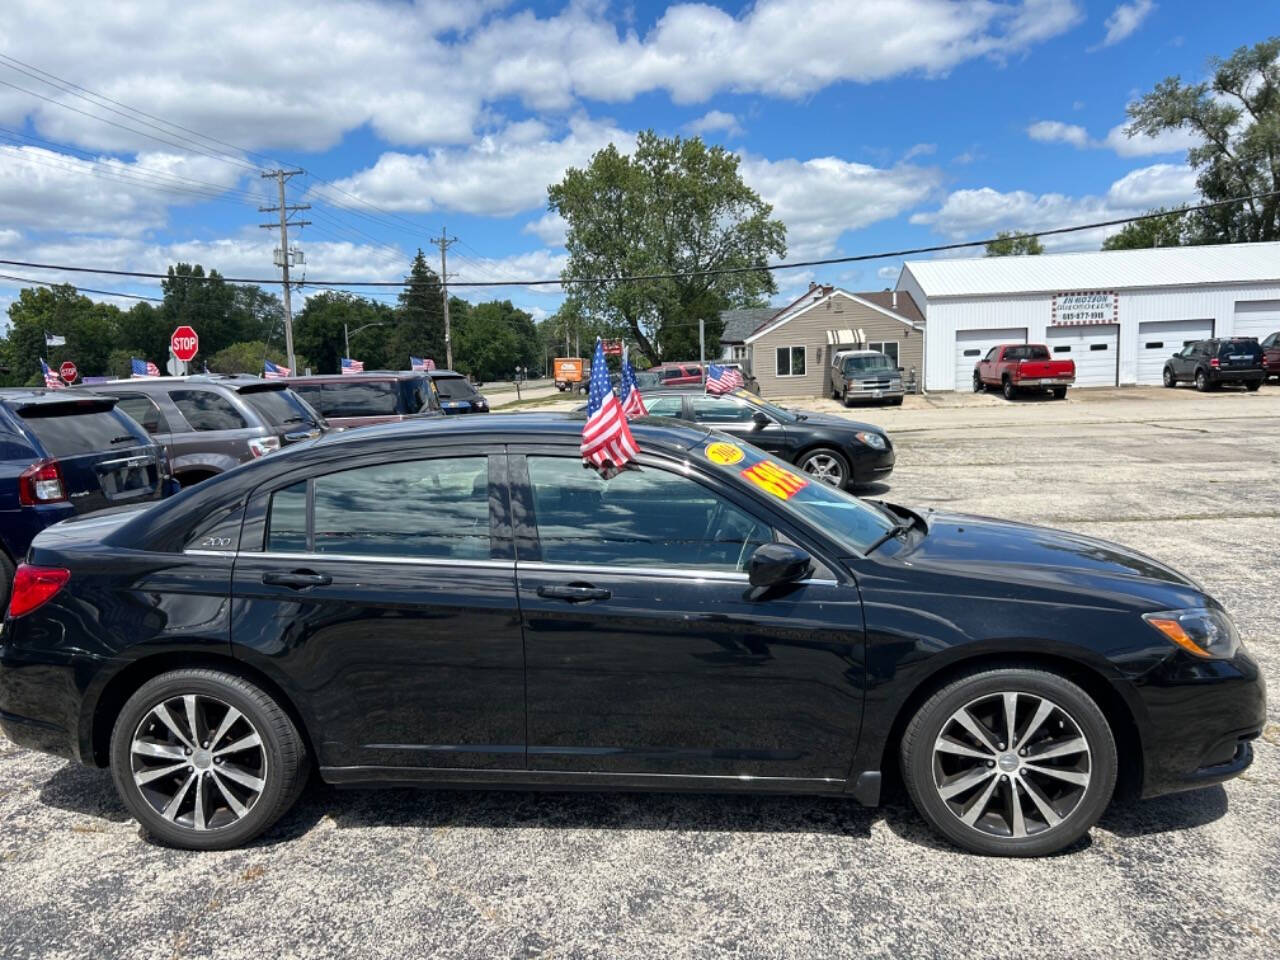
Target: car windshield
pixel 64 431
pixel 647 378
pixel 868 362
pixel 779 414
pixel 278 408
pixel 853 522
pixel 453 388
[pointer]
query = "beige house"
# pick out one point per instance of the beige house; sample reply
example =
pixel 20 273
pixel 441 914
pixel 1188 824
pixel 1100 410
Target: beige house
pixel 791 351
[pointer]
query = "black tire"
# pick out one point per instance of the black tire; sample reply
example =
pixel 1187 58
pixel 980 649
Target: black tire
pixel 919 765
pixel 6 581
pixel 844 398
pixel 837 461
pixel 284 770
pixel 1252 385
pixel 1009 390
pixel 1169 379
pixel 1059 393
pixel 896 402
pixel 978 385
pixel 1202 381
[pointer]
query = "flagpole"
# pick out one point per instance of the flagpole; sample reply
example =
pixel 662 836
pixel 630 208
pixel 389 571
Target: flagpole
pixel 702 352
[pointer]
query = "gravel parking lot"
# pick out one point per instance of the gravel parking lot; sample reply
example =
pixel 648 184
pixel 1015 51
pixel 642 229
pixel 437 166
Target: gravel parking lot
pixel 1192 479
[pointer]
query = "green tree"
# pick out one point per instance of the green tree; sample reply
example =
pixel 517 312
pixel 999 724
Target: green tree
pixel 89 329
pixel 318 333
pixel 144 332
pixel 419 330
pixel 1014 244
pixel 204 302
pixel 492 339
pixel 1170 229
pixel 248 356
pixel 1236 117
pixel 674 206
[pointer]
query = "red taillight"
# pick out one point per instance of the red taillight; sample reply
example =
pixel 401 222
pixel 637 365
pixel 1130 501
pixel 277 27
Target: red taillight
pixel 1213 361
pixel 41 483
pixel 33 586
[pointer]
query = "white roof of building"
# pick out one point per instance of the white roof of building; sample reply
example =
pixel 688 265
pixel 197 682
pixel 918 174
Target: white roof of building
pixel 1099 270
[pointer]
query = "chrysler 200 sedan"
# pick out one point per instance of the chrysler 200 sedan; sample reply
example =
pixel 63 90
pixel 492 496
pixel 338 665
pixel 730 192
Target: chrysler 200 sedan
pixel 461 602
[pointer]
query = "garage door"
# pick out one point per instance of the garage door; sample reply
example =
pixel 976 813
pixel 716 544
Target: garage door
pixel 1257 318
pixel 1158 339
pixel 1093 348
pixel 972 346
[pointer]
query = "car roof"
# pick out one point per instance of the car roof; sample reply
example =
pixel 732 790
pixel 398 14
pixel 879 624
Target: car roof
pixel 36 396
pixel 356 377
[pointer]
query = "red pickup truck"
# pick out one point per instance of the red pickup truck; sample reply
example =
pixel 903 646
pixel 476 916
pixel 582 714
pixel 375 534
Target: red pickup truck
pixel 1023 366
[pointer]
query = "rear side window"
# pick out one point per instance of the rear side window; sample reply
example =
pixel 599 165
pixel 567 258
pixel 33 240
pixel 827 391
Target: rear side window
pixel 144 410
pixel 206 410
pixel 276 407
pixel 720 410
pixel 453 388
pixel 365 398
pixel 69 434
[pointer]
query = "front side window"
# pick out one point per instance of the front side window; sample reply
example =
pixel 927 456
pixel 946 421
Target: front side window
pixel 206 410
pixel 720 410
pixel 665 406
pixel 420 508
pixel 277 407
pixel 643 517
pixel 791 361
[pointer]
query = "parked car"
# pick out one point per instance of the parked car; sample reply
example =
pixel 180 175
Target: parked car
pixel 455 394
pixel 209 423
pixel 708 620
pixel 843 453
pixel 1014 367
pixel 690 375
pixel 1211 363
pixel 63 454
pixel 1271 356
pixel 865 375
pixel 359 400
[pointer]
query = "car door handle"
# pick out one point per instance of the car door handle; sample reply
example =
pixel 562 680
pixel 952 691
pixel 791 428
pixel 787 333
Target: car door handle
pixel 298 579
pixel 575 593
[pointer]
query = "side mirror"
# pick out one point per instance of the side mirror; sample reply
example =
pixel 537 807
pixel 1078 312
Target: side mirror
pixel 760 420
pixel 901 369
pixel 775 563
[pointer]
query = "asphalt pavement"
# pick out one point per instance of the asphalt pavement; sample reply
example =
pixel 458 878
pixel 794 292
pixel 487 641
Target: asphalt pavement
pixel 1193 480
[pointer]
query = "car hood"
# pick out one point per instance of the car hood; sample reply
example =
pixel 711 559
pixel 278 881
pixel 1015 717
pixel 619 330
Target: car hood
pixel 982 546
pixel 838 423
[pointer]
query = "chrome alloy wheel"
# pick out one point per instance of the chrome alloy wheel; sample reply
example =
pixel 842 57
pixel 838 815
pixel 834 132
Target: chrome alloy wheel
pixel 198 762
pixel 1011 765
pixel 824 467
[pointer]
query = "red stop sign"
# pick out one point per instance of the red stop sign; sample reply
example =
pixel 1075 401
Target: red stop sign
pixel 68 371
pixel 185 343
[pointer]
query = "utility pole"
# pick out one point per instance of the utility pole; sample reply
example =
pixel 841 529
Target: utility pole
pixel 443 244
pixel 285 209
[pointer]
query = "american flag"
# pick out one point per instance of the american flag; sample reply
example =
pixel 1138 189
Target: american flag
pixel 420 365
pixel 51 379
pixel 274 371
pixel 723 379
pixel 352 366
pixel 606 438
pixel 143 368
pixel 632 403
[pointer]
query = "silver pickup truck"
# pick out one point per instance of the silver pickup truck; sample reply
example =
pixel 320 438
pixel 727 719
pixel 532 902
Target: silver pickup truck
pixel 865 375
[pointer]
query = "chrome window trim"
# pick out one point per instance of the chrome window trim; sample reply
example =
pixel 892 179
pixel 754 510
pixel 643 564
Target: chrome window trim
pixel 192 552
pixel 683 573
pixel 378 558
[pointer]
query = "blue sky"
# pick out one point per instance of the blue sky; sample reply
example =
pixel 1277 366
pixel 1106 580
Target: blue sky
pixel 869 125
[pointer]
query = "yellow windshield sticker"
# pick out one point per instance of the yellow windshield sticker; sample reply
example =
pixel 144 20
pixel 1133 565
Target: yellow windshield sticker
pixel 724 453
pixel 771 478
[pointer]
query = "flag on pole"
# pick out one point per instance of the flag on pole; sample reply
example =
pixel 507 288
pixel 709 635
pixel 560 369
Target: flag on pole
pixel 53 340
pixel 421 365
pixel 143 368
pixel 606 438
pixel 632 403
pixel 274 371
pixel 51 379
pixel 723 379
pixel 352 366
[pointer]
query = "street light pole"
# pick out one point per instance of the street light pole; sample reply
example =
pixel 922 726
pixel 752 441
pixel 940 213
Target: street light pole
pixel 346 337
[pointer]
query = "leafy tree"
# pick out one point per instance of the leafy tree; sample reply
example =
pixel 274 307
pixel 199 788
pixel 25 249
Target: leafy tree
pixel 674 206
pixel 1014 244
pixel 144 332
pixel 89 328
pixel 492 339
pixel 420 316
pixel 318 334
pixel 1236 117
pixel 1170 229
pixel 207 304
pixel 248 356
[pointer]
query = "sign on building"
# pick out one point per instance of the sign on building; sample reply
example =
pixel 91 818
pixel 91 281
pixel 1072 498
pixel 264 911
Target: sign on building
pixel 1085 307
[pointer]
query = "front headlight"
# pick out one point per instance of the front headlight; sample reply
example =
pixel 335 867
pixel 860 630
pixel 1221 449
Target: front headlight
pixel 872 440
pixel 1201 631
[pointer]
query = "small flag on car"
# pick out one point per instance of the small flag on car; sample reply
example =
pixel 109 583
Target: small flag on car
pixel 421 365
pixel 274 371
pixel 606 438
pixel 51 379
pixel 721 379
pixel 632 403
pixel 143 368
pixel 352 366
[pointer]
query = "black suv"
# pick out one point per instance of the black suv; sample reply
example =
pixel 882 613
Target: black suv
pixel 1211 363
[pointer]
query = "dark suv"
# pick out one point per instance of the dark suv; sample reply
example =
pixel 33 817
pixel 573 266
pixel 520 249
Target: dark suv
pixel 1210 363
pixel 63 453
pixel 455 394
pixel 209 423
pixel 358 400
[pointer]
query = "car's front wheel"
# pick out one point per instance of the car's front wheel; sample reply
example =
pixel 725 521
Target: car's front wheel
pixel 1010 761
pixel 1252 384
pixel 826 465
pixel 978 385
pixel 206 760
pixel 1169 379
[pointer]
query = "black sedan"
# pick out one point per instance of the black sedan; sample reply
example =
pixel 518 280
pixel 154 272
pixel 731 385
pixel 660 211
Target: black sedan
pixel 838 451
pixel 460 602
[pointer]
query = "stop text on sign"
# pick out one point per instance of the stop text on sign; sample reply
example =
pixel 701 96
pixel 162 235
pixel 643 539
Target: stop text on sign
pixel 185 343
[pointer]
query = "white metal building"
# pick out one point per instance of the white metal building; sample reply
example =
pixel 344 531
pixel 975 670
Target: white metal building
pixel 1118 314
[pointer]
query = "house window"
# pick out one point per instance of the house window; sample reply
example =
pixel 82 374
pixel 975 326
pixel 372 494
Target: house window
pixel 739 353
pixel 888 347
pixel 791 361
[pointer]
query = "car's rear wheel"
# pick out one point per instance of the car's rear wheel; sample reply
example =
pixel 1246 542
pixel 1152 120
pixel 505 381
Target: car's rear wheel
pixel 844 398
pixel 1010 761
pixel 1059 393
pixel 826 465
pixel 1010 391
pixel 206 760
pixel 1252 384
pixel 1202 381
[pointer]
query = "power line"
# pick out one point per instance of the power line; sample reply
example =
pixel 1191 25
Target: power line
pixel 104 293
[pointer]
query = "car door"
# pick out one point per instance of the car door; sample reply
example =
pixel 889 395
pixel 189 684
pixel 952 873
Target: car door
pixel 647 652
pixel 732 415
pixel 384 592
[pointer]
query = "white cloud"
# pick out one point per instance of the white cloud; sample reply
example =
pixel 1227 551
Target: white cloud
pixel 889 274
pixel 920 150
pixel 1125 19
pixel 1055 131
pixel 531 265
pixel 549 228
pixel 714 121
pixel 966 214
